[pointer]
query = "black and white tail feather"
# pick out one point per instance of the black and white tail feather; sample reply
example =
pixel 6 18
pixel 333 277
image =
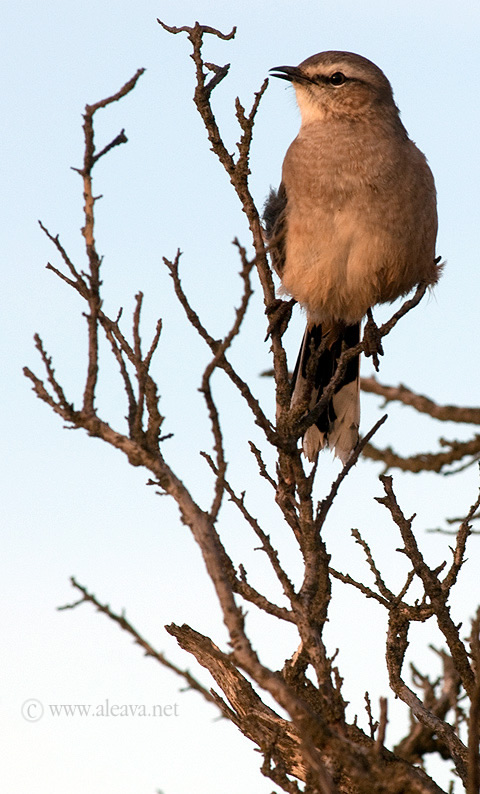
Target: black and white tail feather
pixel 337 425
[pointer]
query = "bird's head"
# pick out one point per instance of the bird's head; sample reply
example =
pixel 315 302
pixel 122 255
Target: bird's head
pixel 338 84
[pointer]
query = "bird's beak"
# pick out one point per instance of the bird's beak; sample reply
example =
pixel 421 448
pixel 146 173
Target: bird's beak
pixel 291 73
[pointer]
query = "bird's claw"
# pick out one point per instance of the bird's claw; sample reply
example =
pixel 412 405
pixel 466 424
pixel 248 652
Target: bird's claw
pixel 279 313
pixel 372 340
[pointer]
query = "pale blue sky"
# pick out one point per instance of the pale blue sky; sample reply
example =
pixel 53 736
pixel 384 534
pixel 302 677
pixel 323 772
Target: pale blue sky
pixel 70 505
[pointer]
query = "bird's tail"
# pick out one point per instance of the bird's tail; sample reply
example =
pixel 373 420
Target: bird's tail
pixel 337 425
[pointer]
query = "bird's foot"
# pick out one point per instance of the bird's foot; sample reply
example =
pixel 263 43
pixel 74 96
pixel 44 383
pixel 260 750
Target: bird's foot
pixel 279 313
pixel 372 340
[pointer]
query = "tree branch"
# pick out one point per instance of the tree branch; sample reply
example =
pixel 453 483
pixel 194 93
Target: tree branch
pixel 421 403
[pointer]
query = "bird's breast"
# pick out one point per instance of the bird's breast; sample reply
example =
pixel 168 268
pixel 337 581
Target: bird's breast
pixel 360 222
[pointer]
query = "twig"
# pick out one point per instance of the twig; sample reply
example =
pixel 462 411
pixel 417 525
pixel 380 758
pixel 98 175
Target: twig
pixel 222 361
pixel 205 388
pixel 386 594
pixel 367 591
pixel 426 461
pixel 382 726
pixel 463 533
pixel 88 231
pixel 270 551
pixel 371 724
pixel 125 625
pixel 325 505
pixel 261 465
pixel 431 583
pixel 421 403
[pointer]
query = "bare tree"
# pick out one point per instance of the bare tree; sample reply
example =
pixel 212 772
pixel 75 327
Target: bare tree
pixel 315 748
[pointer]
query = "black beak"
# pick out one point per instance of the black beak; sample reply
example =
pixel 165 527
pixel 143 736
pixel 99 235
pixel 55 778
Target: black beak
pixel 291 73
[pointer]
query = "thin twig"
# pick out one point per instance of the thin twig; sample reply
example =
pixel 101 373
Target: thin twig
pixel 382 726
pixel 463 533
pixel 270 551
pixel 125 625
pixel 325 505
pixel 371 724
pixel 222 362
pixel 205 388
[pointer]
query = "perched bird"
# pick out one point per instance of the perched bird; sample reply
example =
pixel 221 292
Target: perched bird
pixel 353 223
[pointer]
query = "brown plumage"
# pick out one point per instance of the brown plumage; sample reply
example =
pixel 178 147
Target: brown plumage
pixel 353 223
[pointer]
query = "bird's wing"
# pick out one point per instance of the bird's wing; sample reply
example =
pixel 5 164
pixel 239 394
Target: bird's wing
pixel 274 224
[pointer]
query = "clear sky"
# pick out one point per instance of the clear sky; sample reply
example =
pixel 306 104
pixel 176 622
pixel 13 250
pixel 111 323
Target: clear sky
pixel 72 506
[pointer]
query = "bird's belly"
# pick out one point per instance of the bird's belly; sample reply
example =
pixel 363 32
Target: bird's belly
pixel 344 269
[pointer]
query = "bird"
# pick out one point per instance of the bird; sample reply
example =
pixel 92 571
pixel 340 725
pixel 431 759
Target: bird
pixel 353 224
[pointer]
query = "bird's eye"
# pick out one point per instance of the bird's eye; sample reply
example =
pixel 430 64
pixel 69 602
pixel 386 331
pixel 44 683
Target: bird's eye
pixel 337 78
